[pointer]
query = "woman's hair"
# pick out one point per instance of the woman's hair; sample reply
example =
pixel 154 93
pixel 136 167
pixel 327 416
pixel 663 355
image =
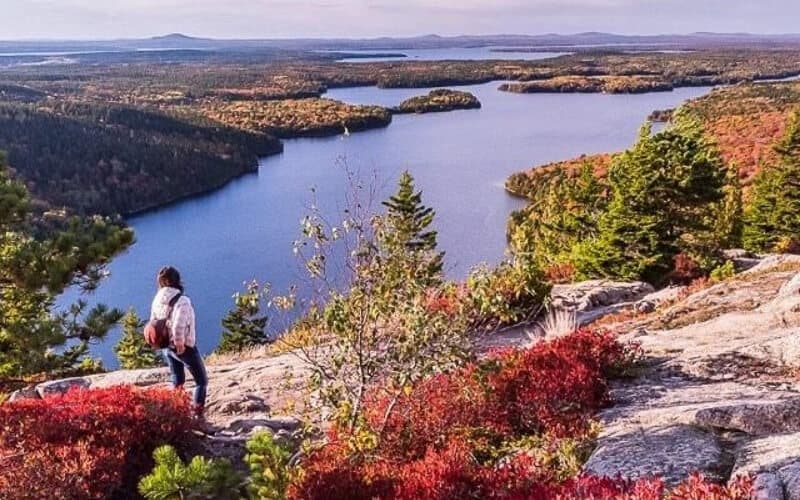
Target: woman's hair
pixel 169 276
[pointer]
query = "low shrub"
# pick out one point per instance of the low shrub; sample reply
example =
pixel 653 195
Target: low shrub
pixel 685 270
pixel 448 436
pixel 511 293
pixel 268 461
pixel 87 443
pixel 563 272
pixel 201 478
pixel 723 272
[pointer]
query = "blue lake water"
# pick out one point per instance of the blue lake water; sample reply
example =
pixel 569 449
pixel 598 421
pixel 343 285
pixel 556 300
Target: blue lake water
pixel 460 160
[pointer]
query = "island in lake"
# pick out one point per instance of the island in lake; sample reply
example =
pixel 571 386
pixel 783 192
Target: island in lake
pixel 438 100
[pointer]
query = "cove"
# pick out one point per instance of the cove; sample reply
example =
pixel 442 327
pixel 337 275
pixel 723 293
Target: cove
pixel 460 160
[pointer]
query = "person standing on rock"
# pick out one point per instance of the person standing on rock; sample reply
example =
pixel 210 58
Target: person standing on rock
pixel 181 352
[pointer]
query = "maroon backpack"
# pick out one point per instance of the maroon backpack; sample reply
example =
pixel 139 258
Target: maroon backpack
pixel 156 333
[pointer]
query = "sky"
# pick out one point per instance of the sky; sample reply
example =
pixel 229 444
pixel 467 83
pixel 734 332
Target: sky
pixel 106 19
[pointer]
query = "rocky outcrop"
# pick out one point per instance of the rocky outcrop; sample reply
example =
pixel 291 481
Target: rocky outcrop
pixel 592 300
pixel 672 449
pixel 717 392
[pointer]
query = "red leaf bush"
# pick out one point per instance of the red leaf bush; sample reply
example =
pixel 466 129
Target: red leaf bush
pixel 86 443
pixel 444 439
pixel 433 438
pixel 552 388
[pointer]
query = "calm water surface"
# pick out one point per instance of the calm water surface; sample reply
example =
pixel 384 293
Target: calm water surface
pixel 460 160
pixel 455 54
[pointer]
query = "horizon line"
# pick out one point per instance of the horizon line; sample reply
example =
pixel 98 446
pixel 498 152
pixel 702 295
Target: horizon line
pixel 399 37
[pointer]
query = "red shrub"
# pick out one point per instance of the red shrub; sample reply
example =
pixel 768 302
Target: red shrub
pixel 556 387
pixel 553 388
pixel 564 272
pixel 685 270
pixel 453 472
pixel 696 487
pixel 87 443
pixel 333 473
pixel 550 388
pixel 438 408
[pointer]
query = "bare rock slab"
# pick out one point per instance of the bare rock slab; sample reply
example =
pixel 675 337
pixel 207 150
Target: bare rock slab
pixel 672 452
pixel 24 393
pixel 756 419
pixel 139 378
pixel 768 486
pixel 767 454
pixel 62 386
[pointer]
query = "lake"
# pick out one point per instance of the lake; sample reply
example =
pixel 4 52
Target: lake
pixel 460 160
pixel 451 54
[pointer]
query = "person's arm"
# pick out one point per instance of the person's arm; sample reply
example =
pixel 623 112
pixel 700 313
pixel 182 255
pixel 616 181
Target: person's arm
pixel 181 319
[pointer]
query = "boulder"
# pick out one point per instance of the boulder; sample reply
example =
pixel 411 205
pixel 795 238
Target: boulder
pixel 29 392
pixel 767 454
pixel 588 295
pixel 237 404
pixel 140 378
pixel 790 477
pixel 275 424
pixel 756 419
pixel 772 262
pixel 768 486
pixel 673 452
pixel 62 386
pixel 738 253
pixel 652 301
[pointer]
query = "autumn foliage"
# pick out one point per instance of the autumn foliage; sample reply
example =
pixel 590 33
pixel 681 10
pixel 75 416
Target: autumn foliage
pixel 447 438
pixel 438 438
pixel 87 443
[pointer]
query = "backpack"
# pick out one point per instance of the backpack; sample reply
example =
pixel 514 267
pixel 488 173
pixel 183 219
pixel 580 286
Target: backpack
pixel 156 333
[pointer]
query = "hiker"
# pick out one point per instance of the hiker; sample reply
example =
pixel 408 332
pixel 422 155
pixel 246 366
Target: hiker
pixel 179 343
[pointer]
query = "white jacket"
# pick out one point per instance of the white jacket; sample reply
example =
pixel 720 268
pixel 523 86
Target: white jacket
pixel 181 323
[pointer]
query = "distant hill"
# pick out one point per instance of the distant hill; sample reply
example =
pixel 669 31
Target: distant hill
pixel 175 37
pixel 181 41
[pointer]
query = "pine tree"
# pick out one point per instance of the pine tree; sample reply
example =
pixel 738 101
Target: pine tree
pixel 729 216
pixel 40 257
pixel 268 461
pixel 201 478
pixel 559 217
pixel 772 217
pixel 663 193
pixel 245 325
pixel 132 350
pixel 407 233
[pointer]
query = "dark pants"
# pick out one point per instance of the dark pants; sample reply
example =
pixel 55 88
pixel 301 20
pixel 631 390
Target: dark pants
pixel 192 360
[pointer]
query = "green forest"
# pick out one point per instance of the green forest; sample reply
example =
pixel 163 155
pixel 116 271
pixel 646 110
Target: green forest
pixel 113 159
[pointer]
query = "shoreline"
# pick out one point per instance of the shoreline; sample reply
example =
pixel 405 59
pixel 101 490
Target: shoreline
pixel 333 131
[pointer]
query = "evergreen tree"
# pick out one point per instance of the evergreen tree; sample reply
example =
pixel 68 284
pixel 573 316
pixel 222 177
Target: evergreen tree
pixel 663 193
pixel 245 325
pixel 268 461
pixel 40 256
pixel 559 217
pixel 201 478
pixel 772 218
pixel 132 351
pixel 406 232
pixel 729 217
